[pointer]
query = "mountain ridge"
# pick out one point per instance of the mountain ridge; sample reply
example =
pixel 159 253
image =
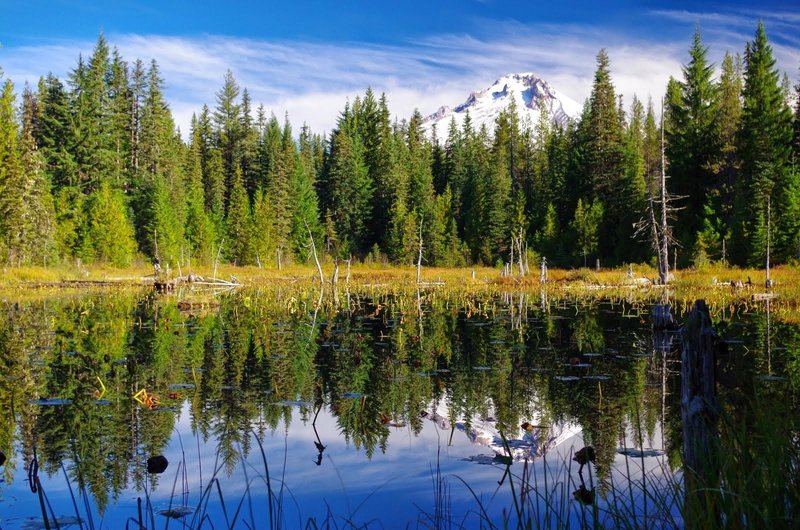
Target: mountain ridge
pixel 531 94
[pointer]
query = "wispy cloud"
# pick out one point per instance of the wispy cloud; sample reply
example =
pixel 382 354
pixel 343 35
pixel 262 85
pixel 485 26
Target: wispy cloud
pixel 311 80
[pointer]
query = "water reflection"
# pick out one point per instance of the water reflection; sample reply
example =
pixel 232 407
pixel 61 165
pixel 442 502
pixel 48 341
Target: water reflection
pixel 102 383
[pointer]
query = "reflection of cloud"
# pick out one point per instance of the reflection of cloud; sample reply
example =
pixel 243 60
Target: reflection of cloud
pixel 312 80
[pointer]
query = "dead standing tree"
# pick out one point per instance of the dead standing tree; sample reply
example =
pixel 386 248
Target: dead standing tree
pixel 659 231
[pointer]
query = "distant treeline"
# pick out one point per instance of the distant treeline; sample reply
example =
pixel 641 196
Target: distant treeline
pixel 93 168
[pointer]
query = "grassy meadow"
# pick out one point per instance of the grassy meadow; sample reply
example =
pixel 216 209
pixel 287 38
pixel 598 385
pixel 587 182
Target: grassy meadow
pixel 723 288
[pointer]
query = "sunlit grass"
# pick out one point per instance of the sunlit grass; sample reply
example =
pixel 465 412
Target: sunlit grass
pixel 725 289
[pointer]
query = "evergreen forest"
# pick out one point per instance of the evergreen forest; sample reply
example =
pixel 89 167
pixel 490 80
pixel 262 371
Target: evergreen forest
pixel 94 170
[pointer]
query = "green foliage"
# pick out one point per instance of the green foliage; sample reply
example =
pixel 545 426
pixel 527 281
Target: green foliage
pixel 350 191
pixel 730 146
pixel 107 232
pixel 693 141
pixel 604 163
pixel 586 225
pixel 766 136
pixel 239 223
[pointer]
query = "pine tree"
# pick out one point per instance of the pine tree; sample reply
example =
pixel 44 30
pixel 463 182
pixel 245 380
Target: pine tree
pixel 39 235
pixel 350 193
pixel 54 134
pixel 477 170
pixel 585 226
pixel 14 214
pixel 720 200
pixel 120 105
pixel 163 226
pixel 159 200
pixel 93 150
pixel 796 122
pixel 249 147
pixel 229 131
pixel 263 240
pixel 603 161
pixel 200 236
pixel 305 213
pixel 108 235
pixel 766 137
pixel 549 238
pixel 238 223
pixel 692 142
pixel 635 185
pixel 280 189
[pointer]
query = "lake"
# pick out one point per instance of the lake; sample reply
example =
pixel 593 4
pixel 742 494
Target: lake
pixel 291 408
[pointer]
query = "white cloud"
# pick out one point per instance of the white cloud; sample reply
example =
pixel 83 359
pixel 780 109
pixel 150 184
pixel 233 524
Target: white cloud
pixel 312 80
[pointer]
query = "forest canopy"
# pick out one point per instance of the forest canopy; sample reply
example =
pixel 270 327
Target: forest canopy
pixel 93 168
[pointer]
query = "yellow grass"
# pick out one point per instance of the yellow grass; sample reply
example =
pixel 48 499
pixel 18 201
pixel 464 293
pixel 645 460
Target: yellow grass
pixel 718 285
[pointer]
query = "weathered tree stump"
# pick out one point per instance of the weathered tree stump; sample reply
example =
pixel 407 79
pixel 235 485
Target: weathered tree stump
pixel 699 412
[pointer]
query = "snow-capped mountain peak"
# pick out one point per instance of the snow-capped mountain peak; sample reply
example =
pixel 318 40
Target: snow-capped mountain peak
pixel 530 93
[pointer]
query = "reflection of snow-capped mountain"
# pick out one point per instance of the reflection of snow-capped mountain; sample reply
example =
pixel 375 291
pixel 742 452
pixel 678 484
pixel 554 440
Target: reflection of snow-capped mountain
pixel 530 93
pixel 523 445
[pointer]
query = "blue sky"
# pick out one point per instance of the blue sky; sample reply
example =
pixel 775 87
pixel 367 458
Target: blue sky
pixel 307 57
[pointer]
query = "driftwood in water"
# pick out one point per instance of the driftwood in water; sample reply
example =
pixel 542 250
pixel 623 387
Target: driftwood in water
pixel 164 285
pixel 699 410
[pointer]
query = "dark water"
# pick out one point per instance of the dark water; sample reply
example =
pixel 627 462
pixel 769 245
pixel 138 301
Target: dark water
pixel 381 410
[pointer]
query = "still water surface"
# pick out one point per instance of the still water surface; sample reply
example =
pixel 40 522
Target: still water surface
pixel 380 410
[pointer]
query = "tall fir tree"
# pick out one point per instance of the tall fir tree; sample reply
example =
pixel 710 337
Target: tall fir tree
pixel 39 237
pixel 229 132
pixel 305 211
pixel 692 143
pixel 14 214
pixel 765 145
pixel 94 150
pixel 238 223
pixel 107 234
pixel 350 193
pixel 200 229
pixel 54 133
pixel 603 161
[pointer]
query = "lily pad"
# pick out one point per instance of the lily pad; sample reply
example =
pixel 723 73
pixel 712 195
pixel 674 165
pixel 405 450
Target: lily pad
pixel 180 386
pixel 293 403
pixel 51 402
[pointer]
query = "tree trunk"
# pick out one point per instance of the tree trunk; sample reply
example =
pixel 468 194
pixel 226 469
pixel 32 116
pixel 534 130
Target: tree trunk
pixel 699 413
